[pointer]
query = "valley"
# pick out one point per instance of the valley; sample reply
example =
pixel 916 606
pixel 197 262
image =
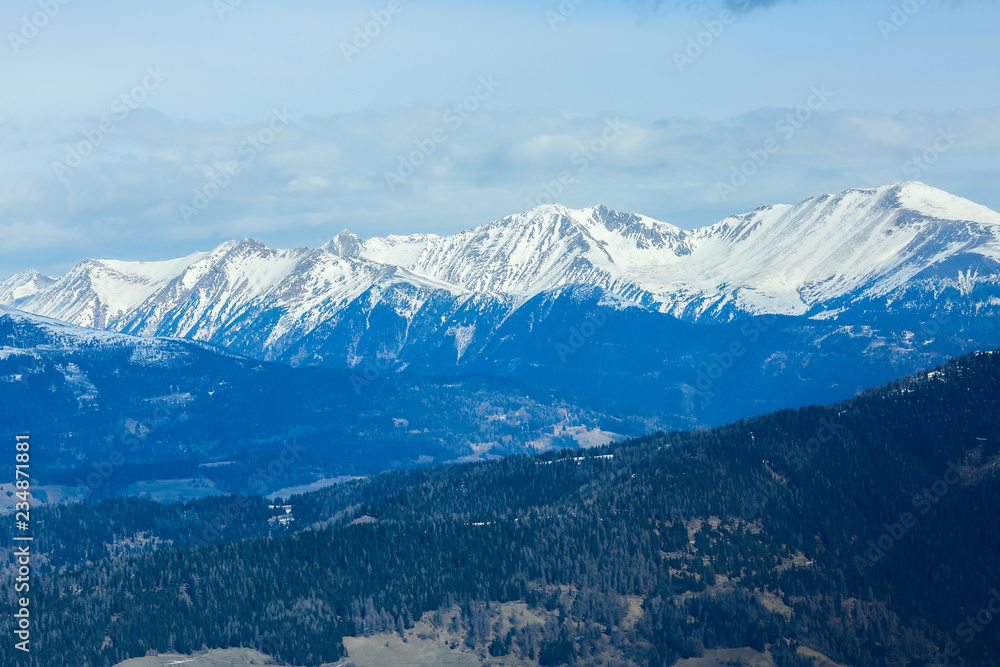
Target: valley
pixel 756 535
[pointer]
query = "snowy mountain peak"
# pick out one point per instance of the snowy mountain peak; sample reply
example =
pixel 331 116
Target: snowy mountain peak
pixel 598 224
pixel 344 244
pixel 932 202
pixel 95 292
pixel 541 249
pixel 23 284
pixel 248 246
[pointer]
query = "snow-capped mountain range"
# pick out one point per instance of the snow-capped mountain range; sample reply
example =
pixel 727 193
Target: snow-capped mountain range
pixel 822 258
pixel 22 285
pixel 503 338
pixel 789 260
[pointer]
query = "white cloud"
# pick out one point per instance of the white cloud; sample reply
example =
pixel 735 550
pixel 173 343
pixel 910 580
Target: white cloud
pixel 326 173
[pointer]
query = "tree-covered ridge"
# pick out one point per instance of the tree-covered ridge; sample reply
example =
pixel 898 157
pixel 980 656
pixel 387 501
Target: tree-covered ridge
pixel 863 529
pixel 110 415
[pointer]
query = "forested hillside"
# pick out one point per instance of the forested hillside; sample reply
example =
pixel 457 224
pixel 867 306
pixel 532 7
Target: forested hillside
pixel 107 411
pixel 864 530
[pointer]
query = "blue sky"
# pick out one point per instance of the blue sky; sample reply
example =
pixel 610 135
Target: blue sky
pixel 231 119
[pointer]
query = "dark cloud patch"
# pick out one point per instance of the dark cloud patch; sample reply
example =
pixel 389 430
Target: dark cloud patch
pixel 741 6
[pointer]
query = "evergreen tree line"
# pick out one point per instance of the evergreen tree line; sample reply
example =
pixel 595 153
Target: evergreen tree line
pixel 708 528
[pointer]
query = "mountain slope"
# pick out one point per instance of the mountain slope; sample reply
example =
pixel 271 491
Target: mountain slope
pixel 542 249
pixel 28 335
pixel 838 249
pixel 876 282
pixel 134 409
pixel 95 293
pixel 788 260
pixel 861 530
pixel 22 285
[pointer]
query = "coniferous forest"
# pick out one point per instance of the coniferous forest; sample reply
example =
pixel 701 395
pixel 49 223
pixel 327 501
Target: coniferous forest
pixel 864 530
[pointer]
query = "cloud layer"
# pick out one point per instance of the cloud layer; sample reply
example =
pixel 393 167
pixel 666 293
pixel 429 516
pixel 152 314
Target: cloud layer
pixel 159 186
pixel 132 130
